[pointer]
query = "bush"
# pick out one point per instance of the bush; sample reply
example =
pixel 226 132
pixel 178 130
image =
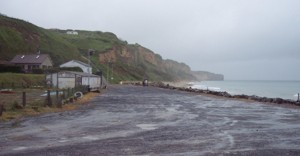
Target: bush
pixel 38 71
pixel 10 68
pixel 55 70
pixel 52 70
pixel 15 106
pixel 76 69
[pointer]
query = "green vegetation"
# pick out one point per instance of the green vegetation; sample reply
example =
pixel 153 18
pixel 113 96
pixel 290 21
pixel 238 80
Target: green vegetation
pixel 118 61
pixel 130 62
pixel 16 36
pixel 16 80
pixel 35 105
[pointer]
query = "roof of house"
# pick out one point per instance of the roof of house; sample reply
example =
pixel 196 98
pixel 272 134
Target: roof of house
pixel 79 62
pixel 31 59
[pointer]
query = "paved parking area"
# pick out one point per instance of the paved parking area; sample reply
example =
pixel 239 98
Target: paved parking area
pixel 131 120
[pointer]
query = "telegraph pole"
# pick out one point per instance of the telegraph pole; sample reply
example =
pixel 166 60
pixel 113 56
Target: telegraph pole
pixel 112 71
pixel 90 52
pixel 89 67
pixel 107 75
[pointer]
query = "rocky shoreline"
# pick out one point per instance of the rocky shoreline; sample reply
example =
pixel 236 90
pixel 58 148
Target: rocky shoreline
pixel 223 94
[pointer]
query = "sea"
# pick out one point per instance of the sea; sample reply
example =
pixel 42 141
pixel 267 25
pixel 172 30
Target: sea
pixel 262 88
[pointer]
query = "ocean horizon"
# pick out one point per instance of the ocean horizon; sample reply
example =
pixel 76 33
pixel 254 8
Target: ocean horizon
pixel 285 89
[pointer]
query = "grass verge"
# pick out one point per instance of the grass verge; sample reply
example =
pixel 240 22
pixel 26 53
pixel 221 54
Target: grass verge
pixel 38 108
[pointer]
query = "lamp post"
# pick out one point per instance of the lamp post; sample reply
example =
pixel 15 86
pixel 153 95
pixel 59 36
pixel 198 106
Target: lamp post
pixel 112 72
pixel 90 52
pixel 107 75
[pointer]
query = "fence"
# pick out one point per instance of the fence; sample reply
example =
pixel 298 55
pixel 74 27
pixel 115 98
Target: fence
pixel 14 85
pixel 20 98
pixel 62 96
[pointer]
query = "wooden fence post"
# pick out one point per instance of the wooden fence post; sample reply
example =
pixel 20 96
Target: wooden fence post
pixel 68 92
pixel 63 94
pixel 49 101
pixel 72 95
pixel 57 92
pixel 24 99
pixel 58 100
pixel 1 109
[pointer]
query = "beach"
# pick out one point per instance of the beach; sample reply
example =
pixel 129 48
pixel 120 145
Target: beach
pixel 137 120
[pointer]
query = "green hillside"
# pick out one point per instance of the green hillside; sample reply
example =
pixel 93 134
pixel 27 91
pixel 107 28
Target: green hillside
pixel 114 57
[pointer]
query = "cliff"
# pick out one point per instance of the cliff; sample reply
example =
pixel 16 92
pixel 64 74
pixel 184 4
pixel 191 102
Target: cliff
pixel 205 76
pixel 142 63
pixel 117 59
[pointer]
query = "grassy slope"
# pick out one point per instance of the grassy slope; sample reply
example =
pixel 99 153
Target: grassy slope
pixel 20 37
pixel 12 40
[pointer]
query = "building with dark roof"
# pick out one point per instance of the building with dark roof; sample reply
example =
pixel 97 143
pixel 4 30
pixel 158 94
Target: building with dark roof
pixel 34 61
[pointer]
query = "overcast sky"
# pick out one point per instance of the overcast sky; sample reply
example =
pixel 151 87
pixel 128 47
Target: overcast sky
pixel 242 39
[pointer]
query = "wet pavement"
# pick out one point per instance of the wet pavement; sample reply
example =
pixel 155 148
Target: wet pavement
pixel 131 120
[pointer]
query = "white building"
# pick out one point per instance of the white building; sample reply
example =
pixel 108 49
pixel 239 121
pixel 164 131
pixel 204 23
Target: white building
pixel 69 79
pixel 72 32
pixel 74 63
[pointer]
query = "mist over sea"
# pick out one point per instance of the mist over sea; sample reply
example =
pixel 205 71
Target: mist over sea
pixel 263 88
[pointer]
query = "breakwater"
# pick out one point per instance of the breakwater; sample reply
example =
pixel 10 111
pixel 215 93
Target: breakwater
pixel 219 93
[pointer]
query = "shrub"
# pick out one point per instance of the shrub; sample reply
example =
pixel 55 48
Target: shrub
pixel 10 68
pixel 38 71
pixel 15 106
pixel 76 69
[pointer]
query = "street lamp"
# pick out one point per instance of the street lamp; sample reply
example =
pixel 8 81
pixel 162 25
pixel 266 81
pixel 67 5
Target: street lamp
pixel 112 71
pixel 107 74
pixel 90 52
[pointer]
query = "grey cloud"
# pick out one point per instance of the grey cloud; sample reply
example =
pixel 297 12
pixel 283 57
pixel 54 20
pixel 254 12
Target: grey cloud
pixel 217 35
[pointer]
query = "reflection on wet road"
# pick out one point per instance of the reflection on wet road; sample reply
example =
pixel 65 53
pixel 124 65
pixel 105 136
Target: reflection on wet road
pixel 128 120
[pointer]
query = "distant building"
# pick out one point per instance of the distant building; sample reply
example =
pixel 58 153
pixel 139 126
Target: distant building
pixel 34 61
pixel 72 32
pixel 75 63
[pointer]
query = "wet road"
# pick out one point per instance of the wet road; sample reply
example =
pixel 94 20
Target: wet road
pixel 129 120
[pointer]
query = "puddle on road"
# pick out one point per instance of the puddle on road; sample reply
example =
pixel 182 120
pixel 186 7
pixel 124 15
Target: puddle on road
pixel 147 126
pixel 91 137
pixel 62 140
pixel 20 148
